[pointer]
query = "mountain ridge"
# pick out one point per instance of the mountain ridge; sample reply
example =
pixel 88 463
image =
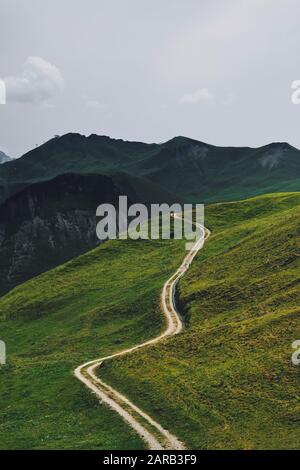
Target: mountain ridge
pixel 179 170
pixel 193 170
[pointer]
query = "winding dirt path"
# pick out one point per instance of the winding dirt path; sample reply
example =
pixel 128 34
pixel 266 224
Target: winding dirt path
pixel 155 436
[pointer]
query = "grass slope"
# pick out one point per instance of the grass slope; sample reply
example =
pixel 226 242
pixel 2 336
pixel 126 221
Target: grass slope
pixel 228 380
pixel 99 303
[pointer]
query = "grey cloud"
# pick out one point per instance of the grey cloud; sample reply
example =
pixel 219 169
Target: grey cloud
pixel 202 94
pixel 38 82
pixel 94 104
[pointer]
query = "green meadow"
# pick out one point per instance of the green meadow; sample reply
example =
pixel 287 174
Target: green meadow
pixel 226 382
pixel 95 305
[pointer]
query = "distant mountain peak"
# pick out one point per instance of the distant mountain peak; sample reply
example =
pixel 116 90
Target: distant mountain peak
pixel 4 158
pixel 275 154
pixel 181 140
pixel 283 146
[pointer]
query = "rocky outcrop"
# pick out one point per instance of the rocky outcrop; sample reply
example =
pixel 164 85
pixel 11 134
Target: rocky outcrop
pixel 49 223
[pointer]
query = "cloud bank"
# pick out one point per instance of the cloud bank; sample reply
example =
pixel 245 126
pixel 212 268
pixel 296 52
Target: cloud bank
pixel 202 94
pixel 38 82
pixel 94 104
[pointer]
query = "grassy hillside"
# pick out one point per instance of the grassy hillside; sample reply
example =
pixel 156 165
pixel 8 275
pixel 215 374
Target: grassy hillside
pixel 228 380
pixel 99 303
pixel 185 167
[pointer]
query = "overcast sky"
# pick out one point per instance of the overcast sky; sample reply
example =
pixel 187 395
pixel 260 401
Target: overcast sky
pixel 216 70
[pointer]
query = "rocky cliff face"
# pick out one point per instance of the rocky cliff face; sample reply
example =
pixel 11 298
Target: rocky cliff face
pixel 48 223
pixel 37 245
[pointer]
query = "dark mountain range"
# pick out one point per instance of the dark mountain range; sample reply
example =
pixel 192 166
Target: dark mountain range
pixel 49 223
pixel 185 167
pixel 48 197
